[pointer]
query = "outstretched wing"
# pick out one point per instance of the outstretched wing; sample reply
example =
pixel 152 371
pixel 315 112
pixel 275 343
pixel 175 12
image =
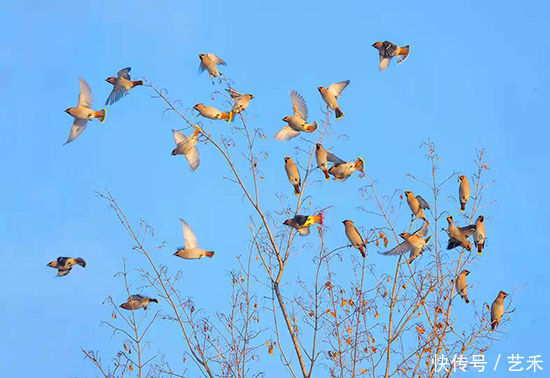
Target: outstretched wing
pixel 286 133
pixel 399 250
pixel 422 202
pixel 422 231
pixel 215 59
pixel 189 236
pixel 124 73
pixel 333 158
pixel 337 88
pixel 298 105
pixel 178 136
pixel 193 158
pixel 79 125
pixel 85 97
pixel 116 94
pixel 468 231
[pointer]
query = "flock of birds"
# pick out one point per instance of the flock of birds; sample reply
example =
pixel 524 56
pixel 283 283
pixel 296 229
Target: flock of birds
pixel 341 170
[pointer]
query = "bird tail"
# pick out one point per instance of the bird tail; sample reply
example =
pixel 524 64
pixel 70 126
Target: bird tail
pixel 428 239
pixel 100 115
pixel 403 53
pixel 466 299
pixel 338 112
pixel 316 219
pixel 360 164
pixel 153 300
pixel 227 116
pixel 362 251
pixel 80 261
pixel 480 248
pixel 209 254
pixel 462 206
pixel 311 127
pixel 137 82
pixel 326 174
pixel 297 189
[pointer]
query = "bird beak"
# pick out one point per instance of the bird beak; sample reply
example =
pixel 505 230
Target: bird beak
pixel 67 111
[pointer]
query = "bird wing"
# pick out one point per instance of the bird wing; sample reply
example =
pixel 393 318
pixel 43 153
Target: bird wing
pixel 234 94
pixel 215 59
pixel 337 88
pixel 189 236
pixel 124 73
pixel 178 136
pixel 384 62
pixel 298 105
pixel 79 125
pixel 422 202
pixel 468 231
pixel 116 94
pixel 399 250
pixel 85 97
pixel 333 158
pixel 286 133
pixel 422 231
pixel 135 297
pixel 193 158
pixel 63 272
pixel 303 231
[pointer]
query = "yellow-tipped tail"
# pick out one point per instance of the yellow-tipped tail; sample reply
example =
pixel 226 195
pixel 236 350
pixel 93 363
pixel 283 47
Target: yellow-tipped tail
pixel 100 115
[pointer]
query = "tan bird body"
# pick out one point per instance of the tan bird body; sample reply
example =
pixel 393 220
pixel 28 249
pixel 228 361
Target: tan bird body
pixel 458 236
pixel 330 96
pixel 497 309
pixel 83 112
pixel 388 50
pixel 479 235
pixel 463 191
pixel 136 301
pixel 211 112
pixel 355 237
pixel 297 122
pixel 191 251
pixel 301 223
pixel 293 174
pixel 186 146
pixel 121 85
pixel 413 243
pixel 417 205
pixel 210 62
pixel 461 286
pixel 65 264
pixel 241 100
pixel 342 170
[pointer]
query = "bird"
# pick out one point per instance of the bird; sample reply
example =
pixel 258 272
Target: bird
pixel 241 100
pixel 213 113
pixel 323 157
pixel 417 204
pixel 342 170
pixel 83 112
pixel 301 223
pixel 479 235
pixel 296 122
pixel 497 309
pixel 121 85
pixel 186 147
pixel 191 250
pixel 210 62
pixel 293 174
pixel 355 237
pixel 330 96
pixel 388 50
pixel 463 191
pixel 461 286
pixel 458 236
pixel 65 264
pixel 414 243
pixel 136 301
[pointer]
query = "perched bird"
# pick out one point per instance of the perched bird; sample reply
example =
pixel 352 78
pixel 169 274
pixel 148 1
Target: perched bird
pixel 136 301
pixel 497 309
pixel 479 235
pixel 301 223
pixel 121 85
pixel 241 100
pixel 210 63
pixel 417 205
pixel 458 236
pixel 323 157
pixel 388 50
pixel 342 170
pixel 65 264
pixel 296 122
pixel 191 250
pixel 330 96
pixel 355 237
pixel 186 147
pixel 461 286
pixel 414 243
pixel 463 191
pixel 83 111
pixel 213 113
pixel 292 174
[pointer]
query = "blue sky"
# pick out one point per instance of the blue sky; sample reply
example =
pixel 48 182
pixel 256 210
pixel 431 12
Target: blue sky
pixel 477 77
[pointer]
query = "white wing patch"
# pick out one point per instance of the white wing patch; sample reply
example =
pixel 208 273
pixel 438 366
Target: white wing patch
pixel 286 133
pixel 337 88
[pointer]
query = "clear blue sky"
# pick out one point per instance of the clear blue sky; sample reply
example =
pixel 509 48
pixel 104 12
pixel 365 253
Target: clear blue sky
pixel 478 76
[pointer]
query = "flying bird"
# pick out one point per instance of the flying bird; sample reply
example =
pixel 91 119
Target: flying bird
pixel 414 243
pixel 461 286
pixel 83 112
pixel 121 85
pixel 417 205
pixel 355 237
pixel 479 235
pixel 341 170
pixel 210 62
pixel 458 236
pixel 330 96
pixel 241 100
pixel 293 174
pixel 65 264
pixel 497 309
pixel 186 147
pixel 212 113
pixel 136 301
pixel 191 250
pixel 296 122
pixel 301 223
pixel 388 50
pixel 323 157
pixel 463 191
